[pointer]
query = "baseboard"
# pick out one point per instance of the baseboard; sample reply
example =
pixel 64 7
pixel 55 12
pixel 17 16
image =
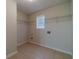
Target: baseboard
pixel 11 54
pixel 52 48
pixel 21 43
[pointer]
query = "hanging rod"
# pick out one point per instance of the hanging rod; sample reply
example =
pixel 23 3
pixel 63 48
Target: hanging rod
pixel 22 20
pixel 46 18
pixel 54 18
pixel 58 17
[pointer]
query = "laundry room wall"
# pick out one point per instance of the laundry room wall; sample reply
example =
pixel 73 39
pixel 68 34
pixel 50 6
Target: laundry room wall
pixel 58 20
pixel 22 28
pixel 11 26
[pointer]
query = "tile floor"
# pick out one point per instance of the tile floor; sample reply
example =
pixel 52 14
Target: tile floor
pixel 32 51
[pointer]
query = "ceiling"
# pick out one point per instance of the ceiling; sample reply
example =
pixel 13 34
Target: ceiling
pixel 32 6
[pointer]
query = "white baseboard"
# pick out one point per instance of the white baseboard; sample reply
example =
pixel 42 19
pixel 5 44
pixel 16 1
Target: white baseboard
pixel 52 48
pixel 21 43
pixel 11 54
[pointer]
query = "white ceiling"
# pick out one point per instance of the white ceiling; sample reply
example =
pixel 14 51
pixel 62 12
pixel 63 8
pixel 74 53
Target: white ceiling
pixel 36 5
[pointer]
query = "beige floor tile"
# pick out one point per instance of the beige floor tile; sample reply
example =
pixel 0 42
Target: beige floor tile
pixel 32 51
pixel 60 55
pixel 19 56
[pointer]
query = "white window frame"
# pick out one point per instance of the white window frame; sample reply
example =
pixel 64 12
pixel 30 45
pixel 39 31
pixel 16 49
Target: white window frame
pixel 40 22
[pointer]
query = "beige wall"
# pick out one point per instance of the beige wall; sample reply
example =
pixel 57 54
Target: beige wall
pixel 59 22
pixel 22 28
pixel 11 26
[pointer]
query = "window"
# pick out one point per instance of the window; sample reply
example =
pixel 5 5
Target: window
pixel 40 22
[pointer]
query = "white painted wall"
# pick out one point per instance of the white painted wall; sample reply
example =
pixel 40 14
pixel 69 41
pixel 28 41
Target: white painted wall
pixel 11 26
pixel 59 22
pixel 22 28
